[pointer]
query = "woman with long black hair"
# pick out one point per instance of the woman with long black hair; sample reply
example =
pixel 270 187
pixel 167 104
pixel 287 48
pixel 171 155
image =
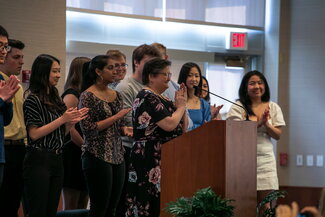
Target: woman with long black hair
pixel 254 95
pixel 47 122
pixel 198 108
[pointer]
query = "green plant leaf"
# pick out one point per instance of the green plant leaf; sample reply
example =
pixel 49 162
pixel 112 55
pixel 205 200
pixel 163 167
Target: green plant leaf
pixel 204 203
pixel 272 196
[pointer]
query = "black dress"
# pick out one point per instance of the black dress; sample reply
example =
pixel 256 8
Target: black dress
pixel 73 175
pixel 143 187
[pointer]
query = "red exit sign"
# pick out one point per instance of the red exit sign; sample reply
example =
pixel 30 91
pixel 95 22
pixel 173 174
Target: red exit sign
pixel 237 41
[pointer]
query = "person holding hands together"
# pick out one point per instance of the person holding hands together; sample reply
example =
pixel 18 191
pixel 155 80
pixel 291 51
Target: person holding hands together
pixel 47 122
pixel 103 154
pixel 156 120
pixel 7 92
pixel 254 95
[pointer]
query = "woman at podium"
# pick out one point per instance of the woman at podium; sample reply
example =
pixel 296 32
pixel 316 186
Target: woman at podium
pixel 156 120
pixel 254 95
pixel 198 108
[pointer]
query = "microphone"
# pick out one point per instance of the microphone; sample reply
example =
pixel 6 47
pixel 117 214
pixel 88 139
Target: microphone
pixel 198 88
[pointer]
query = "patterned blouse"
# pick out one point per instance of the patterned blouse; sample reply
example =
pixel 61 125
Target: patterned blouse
pixel 106 144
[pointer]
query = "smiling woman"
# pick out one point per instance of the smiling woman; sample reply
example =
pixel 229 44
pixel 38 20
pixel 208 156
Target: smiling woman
pixel 156 120
pixel 47 123
pixel 254 95
pixel 102 159
pixel 198 108
pixel 55 73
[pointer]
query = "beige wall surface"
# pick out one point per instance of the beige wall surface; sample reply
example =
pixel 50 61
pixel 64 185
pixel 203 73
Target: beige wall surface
pixel 41 25
pixel 301 89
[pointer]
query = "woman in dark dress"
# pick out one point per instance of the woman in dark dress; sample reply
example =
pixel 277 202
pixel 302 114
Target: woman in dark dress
pixel 74 192
pixel 156 120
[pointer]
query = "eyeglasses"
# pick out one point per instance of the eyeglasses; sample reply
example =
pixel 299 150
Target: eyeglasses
pixel 5 47
pixel 169 75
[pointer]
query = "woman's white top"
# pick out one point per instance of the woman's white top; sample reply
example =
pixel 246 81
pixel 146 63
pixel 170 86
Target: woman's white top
pixel 267 178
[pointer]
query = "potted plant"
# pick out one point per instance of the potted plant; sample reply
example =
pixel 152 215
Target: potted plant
pixel 204 203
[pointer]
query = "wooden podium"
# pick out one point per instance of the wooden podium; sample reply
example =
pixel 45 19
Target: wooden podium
pixel 220 154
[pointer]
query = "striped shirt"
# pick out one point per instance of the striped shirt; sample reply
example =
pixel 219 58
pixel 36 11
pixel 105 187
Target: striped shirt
pixel 37 114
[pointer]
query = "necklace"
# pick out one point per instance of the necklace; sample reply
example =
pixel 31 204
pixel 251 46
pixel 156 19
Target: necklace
pixel 154 92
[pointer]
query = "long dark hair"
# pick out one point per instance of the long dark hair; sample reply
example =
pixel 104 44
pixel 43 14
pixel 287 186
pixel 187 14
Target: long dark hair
pixel 207 97
pixel 185 71
pixel 243 94
pixel 74 79
pixel 89 73
pixel 40 85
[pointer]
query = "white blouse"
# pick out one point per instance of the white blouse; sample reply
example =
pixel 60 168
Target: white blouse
pixel 267 178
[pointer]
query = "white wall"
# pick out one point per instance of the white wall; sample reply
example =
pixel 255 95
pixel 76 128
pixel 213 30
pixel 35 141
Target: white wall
pixel 301 89
pixel 41 25
pixel 177 57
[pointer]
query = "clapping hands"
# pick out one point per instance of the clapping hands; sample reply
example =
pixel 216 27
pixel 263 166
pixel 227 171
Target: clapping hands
pixel 74 115
pixel 9 88
pixel 215 111
pixel 181 96
pixel 265 117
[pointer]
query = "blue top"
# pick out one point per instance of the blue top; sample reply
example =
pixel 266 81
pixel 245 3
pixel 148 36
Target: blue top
pixel 200 116
pixel 5 119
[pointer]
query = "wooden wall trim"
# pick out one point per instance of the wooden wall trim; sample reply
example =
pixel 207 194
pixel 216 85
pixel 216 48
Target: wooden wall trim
pixel 304 196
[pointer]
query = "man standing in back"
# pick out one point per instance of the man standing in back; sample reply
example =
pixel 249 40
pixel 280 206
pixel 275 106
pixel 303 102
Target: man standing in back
pixel 121 66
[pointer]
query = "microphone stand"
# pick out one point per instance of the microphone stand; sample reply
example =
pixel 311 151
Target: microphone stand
pixel 247 118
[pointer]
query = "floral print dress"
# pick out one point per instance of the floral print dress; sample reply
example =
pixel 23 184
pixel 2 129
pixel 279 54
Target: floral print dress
pixel 143 187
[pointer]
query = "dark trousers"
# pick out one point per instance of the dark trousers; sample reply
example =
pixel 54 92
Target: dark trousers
pixel 121 207
pixel 12 186
pixel 43 180
pixel 2 165
pixel 104 183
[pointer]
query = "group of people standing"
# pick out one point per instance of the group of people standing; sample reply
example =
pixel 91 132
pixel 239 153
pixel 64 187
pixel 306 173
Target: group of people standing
pixel 116 127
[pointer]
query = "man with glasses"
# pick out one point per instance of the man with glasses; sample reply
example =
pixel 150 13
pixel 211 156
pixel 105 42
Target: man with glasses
pixel 15 133
pixel 8 90
pixel 120 67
